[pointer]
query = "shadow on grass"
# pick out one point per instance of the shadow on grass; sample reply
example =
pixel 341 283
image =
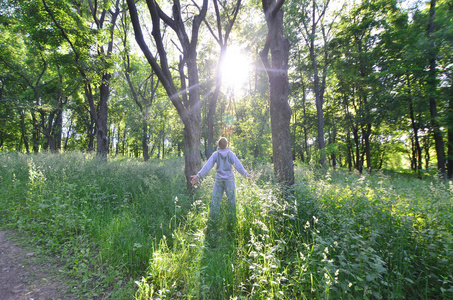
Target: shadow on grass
pixel 219 256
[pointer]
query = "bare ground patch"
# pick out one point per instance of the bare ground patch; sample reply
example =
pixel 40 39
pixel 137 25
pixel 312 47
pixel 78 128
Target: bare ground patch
pixel 26 275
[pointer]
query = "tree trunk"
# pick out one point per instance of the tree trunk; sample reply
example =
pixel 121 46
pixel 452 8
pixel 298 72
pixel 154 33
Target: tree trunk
pixel 358 160
pixel 432 86
pixel 35 136
pixel 100 119
pixel 366 137
pixel 91 128
pixel 426 147
pixel 192 137
pixel 349 153
pixel 65 147
pixel 23 131
pixel 58 129
pixel 186 101
pixel 145 142
pixel 123 145
pixel 280 110
pixel 417 150
pixel 304 100
pixel 52 131
pixel 319 104
pixel 334 140
pixel 102 142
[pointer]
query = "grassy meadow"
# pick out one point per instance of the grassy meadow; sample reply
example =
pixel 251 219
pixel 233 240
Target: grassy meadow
pixel 125 229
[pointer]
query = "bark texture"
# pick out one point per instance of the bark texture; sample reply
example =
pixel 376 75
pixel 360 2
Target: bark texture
pixel 187 99
pixel 277 71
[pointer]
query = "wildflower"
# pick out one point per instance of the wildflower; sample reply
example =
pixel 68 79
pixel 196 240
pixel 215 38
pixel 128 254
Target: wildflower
pixel 302 256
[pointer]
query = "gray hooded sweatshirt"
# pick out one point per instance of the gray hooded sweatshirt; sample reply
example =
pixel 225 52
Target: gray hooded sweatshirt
pixel 224 159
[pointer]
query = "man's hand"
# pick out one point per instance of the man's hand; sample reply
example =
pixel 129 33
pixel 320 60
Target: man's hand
pixel 194 179
pixel 250 177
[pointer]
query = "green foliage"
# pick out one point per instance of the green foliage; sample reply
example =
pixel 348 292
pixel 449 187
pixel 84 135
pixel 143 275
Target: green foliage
pixel 339 236
pixel 101 218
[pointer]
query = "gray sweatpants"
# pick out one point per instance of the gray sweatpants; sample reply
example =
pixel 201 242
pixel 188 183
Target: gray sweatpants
pixel 220 186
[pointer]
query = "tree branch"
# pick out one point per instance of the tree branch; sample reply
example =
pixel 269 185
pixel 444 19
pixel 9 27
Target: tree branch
pixel 162 75
pixel 63 32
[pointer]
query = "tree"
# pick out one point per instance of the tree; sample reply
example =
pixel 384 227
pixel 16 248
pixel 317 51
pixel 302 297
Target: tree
pixel 143 88
pixel 222 39
pixel 277 71
pixel 445 37
pixel 315 27
pixel 95 71
pixel 432 91
pixel 359 76
pixel 37 63
pixel 187 99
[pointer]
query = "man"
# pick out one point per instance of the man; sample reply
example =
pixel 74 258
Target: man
pixel 224 159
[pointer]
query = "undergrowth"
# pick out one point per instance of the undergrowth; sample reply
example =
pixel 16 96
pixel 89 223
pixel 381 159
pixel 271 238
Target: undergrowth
pixel 127 229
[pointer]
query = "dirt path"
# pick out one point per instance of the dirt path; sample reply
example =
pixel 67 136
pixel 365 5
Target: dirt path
pixel 25 275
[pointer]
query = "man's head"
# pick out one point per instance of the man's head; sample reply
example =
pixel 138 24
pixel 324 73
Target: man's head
pixel 222 143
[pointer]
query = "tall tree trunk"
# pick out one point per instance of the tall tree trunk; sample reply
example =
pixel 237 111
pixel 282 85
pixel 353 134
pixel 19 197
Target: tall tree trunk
pixel 91 130
pixel 123 144
pixel 100 118
pixel 358 160
pixel 23 130
pixel 304 100
pixel 417 150
pixel 65 147
pixel 333 155
pixel 186 101
pixel 35 135
pixel 432 86
pixel 427 147
pixel 144 101
pixel 349 153
pixel 450 154
pixel 102 141
pixel 145 141
pixel 192 137
pixel 319 99
pixel 280 110
pixel 58 129
pixel 366 137
pixel 52 131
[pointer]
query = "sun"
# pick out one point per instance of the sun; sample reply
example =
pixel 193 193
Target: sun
pixel 235 68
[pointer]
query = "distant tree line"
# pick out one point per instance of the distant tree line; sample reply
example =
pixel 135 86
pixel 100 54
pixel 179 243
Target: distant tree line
pixel 357 84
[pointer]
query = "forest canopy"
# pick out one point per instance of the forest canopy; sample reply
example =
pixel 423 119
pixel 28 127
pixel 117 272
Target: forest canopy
pixel 369 81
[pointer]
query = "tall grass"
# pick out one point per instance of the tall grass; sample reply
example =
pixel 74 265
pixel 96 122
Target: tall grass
pixel 127 229
pixel 102 218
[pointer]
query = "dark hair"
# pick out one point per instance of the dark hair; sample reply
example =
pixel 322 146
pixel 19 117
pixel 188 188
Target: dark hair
pixel 222 143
